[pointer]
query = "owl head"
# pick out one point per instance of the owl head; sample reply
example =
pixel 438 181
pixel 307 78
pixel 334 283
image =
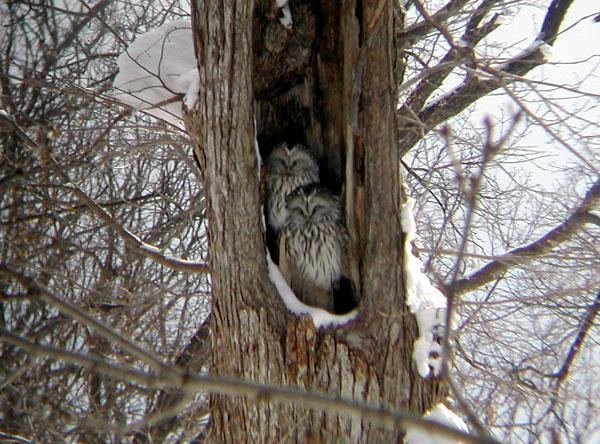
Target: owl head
pixel 294 161
pixel 313 204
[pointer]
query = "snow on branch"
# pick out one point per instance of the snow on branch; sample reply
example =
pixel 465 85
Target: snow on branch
pixel 425 301
pixel 320 317
pixel 474 88
pixel 158 71
pixel 141 247
pixel 442 415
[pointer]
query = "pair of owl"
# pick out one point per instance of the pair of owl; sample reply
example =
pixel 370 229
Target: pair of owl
pixel 307 220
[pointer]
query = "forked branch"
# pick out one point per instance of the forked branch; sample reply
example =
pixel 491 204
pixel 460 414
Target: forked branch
pixel 528 253
pixel 472 89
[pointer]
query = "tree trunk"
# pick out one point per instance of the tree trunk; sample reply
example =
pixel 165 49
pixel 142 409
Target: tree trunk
pixel 328 82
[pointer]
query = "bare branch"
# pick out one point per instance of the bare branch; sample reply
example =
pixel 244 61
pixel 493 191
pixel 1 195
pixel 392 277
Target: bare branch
pixel 470 187
pixel 473 89
pixel 554 17
pixel 191 383
pixel 530 252
pixel 432 79
pixel 420 29
pixel 584 328
pixel 36 289
pixel 140 247
pixel 163 417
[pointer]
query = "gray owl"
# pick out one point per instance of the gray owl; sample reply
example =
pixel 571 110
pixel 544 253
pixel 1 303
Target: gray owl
pixel 312 245
pixel 287 169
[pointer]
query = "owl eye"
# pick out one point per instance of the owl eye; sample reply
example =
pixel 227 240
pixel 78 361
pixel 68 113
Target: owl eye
pixel 318 208
pixel 319 211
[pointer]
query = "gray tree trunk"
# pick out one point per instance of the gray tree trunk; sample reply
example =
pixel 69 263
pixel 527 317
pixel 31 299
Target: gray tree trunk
pixel 330 81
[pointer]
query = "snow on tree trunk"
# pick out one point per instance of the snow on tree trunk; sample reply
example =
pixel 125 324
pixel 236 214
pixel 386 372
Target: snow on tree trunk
pixel 346 103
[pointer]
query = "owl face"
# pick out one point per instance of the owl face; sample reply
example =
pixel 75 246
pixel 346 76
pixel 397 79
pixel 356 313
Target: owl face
pixel 293 162
pixel 313 205
pixel 287 170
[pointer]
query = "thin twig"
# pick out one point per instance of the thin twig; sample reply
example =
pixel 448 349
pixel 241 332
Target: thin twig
pixel 191 383
pixel 36 289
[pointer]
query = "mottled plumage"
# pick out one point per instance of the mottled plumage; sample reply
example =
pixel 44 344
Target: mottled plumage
pixel 288 168
pixel 313 241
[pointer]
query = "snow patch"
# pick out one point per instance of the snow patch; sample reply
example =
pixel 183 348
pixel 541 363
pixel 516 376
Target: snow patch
pixel 540 44
pixel 502 19
pixel 158 70
pixel 286 17
pixel 426 302
pixel 547 51
pixel 443 415
pixel 191 95
pixel 147 247
pixel 461 42
pixel 320 317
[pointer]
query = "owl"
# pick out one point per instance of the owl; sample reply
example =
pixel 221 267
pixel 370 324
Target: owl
pixel 287 169
pixel 312 245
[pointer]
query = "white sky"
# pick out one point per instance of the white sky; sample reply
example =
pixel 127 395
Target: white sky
pixel 574 63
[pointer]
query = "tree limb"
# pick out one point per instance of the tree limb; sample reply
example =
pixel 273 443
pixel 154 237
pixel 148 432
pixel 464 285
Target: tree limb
pixel 422 28
pixel 473 89
pixel 584 328
pixel 530 252
pixel 191 383
pixel 433 79
pixel 134 241
pixel 37 290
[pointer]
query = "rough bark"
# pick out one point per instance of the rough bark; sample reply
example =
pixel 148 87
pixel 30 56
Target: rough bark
pixel 329 82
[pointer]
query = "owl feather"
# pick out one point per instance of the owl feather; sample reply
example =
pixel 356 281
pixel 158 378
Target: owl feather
pixel 312 245
pixel 288 168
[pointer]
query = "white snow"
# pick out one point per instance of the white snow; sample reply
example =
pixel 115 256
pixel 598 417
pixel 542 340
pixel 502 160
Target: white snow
pixel 286 18
pixel 538 43
pixel 158 69
pixel 191 95
pixel 434 100
pixel 155 250
pixel 461 42
pixel 147 247
pixel 320 317
pixel 502 19
pixel 425 301
pixel 547 51
pixel 443 415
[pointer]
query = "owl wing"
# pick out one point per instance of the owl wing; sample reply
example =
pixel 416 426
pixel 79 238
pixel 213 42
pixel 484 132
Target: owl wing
pixel 303 288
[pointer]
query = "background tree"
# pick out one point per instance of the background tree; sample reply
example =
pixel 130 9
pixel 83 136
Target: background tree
pixel 84 182
pixel 77 171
